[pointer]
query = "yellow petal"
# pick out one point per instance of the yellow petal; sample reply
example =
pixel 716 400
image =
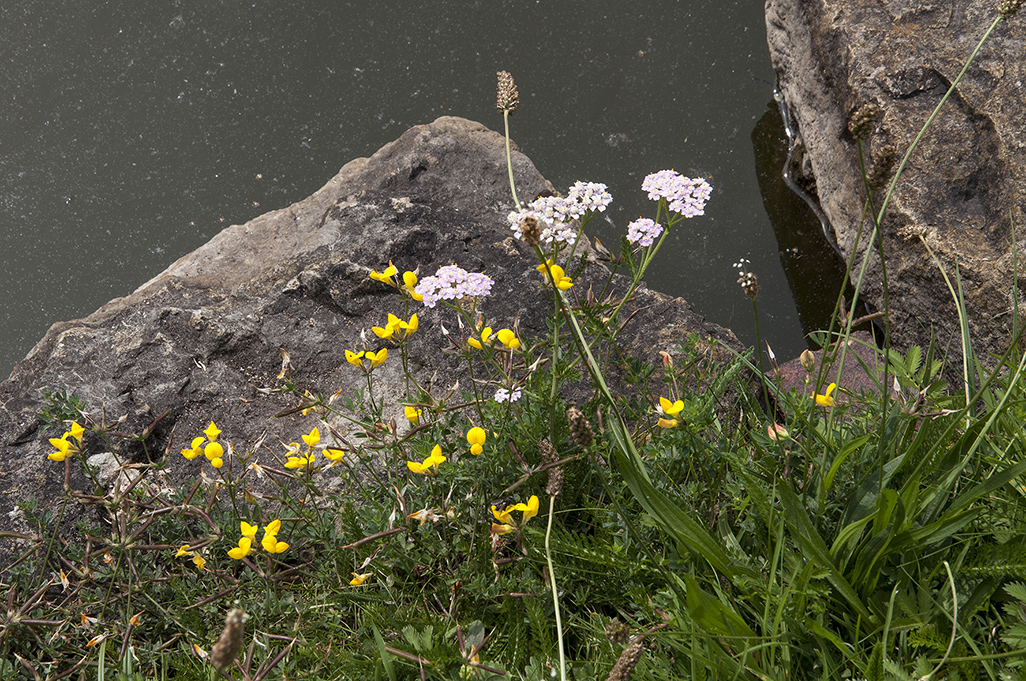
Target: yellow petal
pixel 76 431
pixel 476 436
pixel 211 432
pixel 359 579
pixel 313 438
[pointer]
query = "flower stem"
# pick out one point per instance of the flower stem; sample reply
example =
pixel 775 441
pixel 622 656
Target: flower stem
pixel 509 160
pixel 555 593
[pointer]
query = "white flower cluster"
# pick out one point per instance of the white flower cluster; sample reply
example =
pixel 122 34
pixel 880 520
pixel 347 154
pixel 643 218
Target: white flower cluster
pixel 556 214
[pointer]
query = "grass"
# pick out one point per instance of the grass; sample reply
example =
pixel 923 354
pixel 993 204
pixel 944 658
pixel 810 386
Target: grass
pixel 681 531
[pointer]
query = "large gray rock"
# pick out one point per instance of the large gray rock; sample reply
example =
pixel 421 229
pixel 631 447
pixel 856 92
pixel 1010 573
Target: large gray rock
pixel 203 339
pixel 964 186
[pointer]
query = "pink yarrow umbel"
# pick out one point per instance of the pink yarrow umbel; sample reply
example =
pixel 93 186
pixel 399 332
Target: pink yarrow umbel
pixel 683 195
pixel 453 283
pixel 643 231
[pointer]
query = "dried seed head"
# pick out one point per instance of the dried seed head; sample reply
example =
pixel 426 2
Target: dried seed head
pixel 880 166
pixel 555 483
pixel 508 98
pixel 580 428
pixel 749 284
pixel 617 631
pixel 531 230
pixel 228 646
pixel 624 667
pixel 861 123
pixel 1008 8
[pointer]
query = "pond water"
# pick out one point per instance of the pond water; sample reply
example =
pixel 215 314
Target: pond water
pixel 131 133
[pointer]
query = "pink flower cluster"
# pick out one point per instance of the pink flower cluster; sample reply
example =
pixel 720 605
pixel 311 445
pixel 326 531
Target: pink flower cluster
pixel 684 195
pixel 557 213
pixel 453 283
pixel 643 231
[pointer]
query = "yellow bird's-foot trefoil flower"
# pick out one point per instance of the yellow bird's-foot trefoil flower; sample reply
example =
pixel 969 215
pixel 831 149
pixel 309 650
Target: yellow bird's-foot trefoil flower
pixel 476 438
pixel 412 415
pixel 359 579
pixel 826 399
pixel 386 276
pixel 556 275
pixel 430 465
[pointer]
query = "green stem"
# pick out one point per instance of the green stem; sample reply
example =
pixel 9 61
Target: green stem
pixel 509 160
pixel 555 592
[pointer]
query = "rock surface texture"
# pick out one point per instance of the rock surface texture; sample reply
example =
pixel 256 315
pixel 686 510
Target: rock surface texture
pixel 203 340
pixel 964 186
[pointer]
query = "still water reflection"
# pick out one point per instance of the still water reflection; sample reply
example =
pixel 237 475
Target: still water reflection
pixel 132 132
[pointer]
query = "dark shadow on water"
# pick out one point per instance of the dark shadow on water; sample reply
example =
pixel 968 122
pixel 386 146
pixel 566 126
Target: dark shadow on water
pixel 814 270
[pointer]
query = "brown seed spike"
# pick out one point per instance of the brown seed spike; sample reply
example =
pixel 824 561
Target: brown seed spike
pixel 508 98
pixel 624 667
pixel 228 646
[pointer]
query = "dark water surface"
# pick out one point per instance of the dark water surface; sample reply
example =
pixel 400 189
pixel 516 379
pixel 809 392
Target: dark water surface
pixel 131 132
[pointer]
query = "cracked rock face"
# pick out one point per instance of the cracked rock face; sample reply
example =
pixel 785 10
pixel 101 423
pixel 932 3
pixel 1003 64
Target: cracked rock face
pixel 203 340
pixel 964 186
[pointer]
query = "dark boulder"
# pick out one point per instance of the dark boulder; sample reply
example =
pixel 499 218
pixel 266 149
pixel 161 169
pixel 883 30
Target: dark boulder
pixel 203 340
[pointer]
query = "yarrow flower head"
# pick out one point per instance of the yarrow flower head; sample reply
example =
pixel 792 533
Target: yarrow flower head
pixel 453 283
pixel 504 395
pixel 555 215
pixel 643 232
pixel 683 195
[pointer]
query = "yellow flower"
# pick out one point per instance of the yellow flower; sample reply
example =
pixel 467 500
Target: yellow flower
pixel 379 358
pixel 303 461
pixel 556 275
pixel 409 327
pixel 671 409
pixel 213 450
pixel 333 454
pixel 272 545
pixel 430 465
pixel 826 400
pixel 476 437
pixel 390 327
pixel 62 445
pixel 504 516
pixel 199 561
pixel 355 358
pixel 313 438
pixel 195 449
pixel 244 548
pixel 248 530
pixel 502 529
pixel 270 541
pixel 76 431
pixel 486 334
pixel 508 338
pixel 530 509
pixel 184 551
pixel 385 276
pixel 668 423
pixel 359 579
pixel 412 415
pixel 409 284
pixel 211 432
